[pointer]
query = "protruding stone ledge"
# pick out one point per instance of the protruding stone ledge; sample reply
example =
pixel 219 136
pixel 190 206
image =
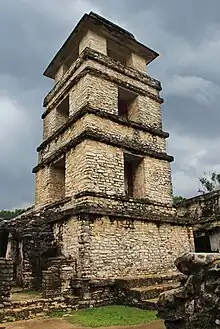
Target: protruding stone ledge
pixel 87 109
pixel 90 54
pixel 90 134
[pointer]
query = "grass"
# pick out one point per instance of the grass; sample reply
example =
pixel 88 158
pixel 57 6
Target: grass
pixel 108 316
pixel 25 295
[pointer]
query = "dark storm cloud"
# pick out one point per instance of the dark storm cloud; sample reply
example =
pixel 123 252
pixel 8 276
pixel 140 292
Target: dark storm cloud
pixel 186 34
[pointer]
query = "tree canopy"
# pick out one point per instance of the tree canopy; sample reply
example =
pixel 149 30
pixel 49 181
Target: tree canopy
pixel 177 199
pixel 209 183
pixel 9 214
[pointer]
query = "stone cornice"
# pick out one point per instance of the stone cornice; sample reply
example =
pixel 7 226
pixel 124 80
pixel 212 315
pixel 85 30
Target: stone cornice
pixel 106 115
pixel 86 208
pixel 90 134
pixel 121 198
pixel 67 83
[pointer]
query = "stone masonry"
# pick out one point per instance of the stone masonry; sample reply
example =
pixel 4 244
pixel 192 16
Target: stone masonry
pixel 103 179
pixel 6 277
pixel 203 210
pixel 195 304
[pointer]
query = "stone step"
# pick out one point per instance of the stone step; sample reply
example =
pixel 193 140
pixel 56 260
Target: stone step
pixel 153 291
pixel 150 304
pixel 148 280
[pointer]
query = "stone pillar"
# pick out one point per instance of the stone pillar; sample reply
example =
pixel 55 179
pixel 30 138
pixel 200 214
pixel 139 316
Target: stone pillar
pixel 137 62
pixel 57 278
pixel 196 303
pixel 94 41
pixel 6 278
pixel 9 247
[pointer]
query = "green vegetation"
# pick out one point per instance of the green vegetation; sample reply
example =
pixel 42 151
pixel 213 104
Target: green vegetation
pixel 178 199
pixel 209 183
pixel 9 214
pixel 107 316
pixel 25 295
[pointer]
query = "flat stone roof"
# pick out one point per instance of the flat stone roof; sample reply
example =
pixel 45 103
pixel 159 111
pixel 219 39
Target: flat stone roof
pixel 98 22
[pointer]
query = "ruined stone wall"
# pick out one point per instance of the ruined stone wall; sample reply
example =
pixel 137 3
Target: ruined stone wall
pixel 200 207
pixel 67 235
pixel 58 276
pixel 195 304
pixel 113 247
pixel 6 277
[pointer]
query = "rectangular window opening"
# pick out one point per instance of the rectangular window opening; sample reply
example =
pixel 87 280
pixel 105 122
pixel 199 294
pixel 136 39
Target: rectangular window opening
pixel 126 104
pixel 117 51
pixel 202 242
pixel 3 243
pixel 133 178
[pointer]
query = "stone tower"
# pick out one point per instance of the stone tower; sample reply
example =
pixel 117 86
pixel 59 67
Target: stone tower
pixel 103 164
pixel 102 129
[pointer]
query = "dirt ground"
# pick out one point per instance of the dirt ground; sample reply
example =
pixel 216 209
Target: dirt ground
pixel 61 324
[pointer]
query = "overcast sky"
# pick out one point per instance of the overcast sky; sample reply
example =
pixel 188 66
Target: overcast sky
pixel 185 33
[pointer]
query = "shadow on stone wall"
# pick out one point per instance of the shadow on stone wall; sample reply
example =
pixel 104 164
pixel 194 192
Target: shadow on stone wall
pixel 196 303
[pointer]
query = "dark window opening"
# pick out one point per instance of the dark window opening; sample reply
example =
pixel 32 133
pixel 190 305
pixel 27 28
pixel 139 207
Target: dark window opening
pixel 71 59
pixel 3 243
pixel 63 111
pixel 117 52
pixel 132 173
pixel 202 242
pixel 126 104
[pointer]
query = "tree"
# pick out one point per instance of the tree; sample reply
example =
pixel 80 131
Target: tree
pixel 209 183
pixel 9 214
pixel 178 199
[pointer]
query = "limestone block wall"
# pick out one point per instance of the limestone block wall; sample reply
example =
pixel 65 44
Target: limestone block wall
pixel 157 180
pixel 109 128
pixel 99 88
pixel 137 62
pixel 200 207
pixel 96 92
pixel 67 235
pixel 122 79
pixel 50 185
pixel 93 41
pixel 113 247
pixel 6 278
pixel 98 167
pixel 149 112
pixel 49 124
pixel 95 167
pixel 57 278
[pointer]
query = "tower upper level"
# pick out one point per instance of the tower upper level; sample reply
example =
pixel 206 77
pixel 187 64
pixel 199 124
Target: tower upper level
pixel 97 33
pixel 102 124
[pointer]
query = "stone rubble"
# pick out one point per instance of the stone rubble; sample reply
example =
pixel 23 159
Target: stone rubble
pixel 196 303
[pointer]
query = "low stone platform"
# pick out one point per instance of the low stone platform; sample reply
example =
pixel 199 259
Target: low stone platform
pixel 140 292
pixel 25 309
pixel 144 291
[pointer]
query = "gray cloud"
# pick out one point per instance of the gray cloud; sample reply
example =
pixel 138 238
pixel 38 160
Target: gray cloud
pixel 186 34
